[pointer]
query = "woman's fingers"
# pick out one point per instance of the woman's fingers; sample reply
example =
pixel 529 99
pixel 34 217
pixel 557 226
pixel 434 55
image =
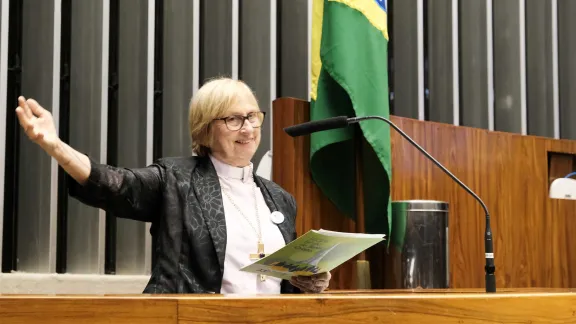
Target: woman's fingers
pixel 22 103
pixel 321 284
pixel 316 283
pixel 307 285
pixel 28 125
pixel 322 276
pixel 299 285
pixel 36 109
pixel 23 119
pixel 24 114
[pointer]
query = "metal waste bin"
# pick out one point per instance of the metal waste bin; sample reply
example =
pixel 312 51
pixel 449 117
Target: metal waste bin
pixel 418 253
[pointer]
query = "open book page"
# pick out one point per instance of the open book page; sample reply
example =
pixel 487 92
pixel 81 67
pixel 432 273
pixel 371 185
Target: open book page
pixel 314 252
pixel 345 234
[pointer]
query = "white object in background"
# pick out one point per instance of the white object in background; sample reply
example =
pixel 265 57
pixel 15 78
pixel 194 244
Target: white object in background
pixel 264 169
pixel 563 188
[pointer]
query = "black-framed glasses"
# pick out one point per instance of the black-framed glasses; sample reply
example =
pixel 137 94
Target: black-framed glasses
pixel 236 122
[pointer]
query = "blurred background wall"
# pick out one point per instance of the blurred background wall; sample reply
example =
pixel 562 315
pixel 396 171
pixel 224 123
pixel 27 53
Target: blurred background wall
pixel 118 76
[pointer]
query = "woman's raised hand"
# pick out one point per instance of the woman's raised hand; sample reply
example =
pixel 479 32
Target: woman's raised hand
pixel 38 124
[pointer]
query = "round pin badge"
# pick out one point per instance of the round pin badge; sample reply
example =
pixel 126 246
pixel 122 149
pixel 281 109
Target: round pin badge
pixel 277 217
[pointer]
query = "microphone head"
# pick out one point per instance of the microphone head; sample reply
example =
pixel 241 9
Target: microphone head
pixel 317 126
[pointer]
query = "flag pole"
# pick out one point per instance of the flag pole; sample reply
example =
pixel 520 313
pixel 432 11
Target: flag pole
pixel 362 265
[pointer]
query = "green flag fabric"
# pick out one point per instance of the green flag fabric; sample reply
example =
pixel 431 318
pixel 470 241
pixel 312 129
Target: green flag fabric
pixel 350 77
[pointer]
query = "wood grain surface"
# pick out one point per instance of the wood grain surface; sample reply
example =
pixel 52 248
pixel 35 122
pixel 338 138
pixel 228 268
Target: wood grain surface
pixel 86 309
pixel 510 172
pixel 440 306
pixel 425 308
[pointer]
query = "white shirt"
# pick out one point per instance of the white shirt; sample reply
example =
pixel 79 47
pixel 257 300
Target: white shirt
pixel 241 238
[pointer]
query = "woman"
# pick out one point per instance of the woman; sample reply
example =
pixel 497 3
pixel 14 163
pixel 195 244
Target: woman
pixel 209 212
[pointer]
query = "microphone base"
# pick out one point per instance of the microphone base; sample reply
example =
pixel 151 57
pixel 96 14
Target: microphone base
pixel 490 283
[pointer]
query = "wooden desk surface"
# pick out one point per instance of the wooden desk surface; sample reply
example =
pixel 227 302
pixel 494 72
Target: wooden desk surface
pixel 399 306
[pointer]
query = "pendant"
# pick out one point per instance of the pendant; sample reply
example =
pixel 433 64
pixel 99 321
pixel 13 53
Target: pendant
pixel 257 256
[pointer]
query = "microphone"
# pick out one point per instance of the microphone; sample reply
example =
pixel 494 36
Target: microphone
pixel 343 121
pixel 317 126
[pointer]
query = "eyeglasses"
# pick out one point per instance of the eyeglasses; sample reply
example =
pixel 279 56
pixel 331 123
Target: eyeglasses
pixel 236 122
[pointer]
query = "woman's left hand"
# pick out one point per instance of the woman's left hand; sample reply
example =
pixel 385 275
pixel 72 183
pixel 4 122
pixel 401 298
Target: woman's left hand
pixel 312 284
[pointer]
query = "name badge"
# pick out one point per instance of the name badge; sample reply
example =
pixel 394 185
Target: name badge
pixel 277 217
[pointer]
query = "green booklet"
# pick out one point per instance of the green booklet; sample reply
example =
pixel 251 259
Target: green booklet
pixel 312 253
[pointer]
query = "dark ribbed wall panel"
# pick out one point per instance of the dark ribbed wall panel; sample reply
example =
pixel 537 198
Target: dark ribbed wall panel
pixel 254 62
pixel 509 96
pixel 406 70
pixel 567 67
pixel 132 112
pixel 540 71
pixel 441 61
pixel 84 253
pixel 215 39
pixel 473 62
pixel 35 245
pixel 293 49
pixel 12 140
pixel 178 76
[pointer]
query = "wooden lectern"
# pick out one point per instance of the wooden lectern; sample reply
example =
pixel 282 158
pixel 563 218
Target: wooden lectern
pixel 510 172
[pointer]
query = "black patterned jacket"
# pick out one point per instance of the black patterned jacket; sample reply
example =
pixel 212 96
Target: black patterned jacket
pixel 181 197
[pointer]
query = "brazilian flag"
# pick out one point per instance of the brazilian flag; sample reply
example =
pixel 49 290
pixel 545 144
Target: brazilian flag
pixel 350 77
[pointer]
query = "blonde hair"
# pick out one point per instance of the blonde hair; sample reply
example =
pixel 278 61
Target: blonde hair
pixel 212 101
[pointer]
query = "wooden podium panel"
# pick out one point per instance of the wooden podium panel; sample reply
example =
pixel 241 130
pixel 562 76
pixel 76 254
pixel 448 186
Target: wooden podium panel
pixel 46 309
pixel 448 306
pixel 510 172
pixel 385 308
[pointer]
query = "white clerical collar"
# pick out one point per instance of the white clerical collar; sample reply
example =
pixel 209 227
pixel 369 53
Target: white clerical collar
pixel 228 171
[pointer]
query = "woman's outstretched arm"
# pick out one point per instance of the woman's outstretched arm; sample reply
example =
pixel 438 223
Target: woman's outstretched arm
pixel 127 193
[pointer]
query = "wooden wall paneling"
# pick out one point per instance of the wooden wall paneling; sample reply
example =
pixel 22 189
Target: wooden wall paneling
pixel 510 172
pixel 560 220
pixel 290 168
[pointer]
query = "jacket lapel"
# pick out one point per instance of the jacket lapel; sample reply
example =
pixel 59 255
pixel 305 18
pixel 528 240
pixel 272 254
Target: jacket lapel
pixel 207 189
pixel 275 205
